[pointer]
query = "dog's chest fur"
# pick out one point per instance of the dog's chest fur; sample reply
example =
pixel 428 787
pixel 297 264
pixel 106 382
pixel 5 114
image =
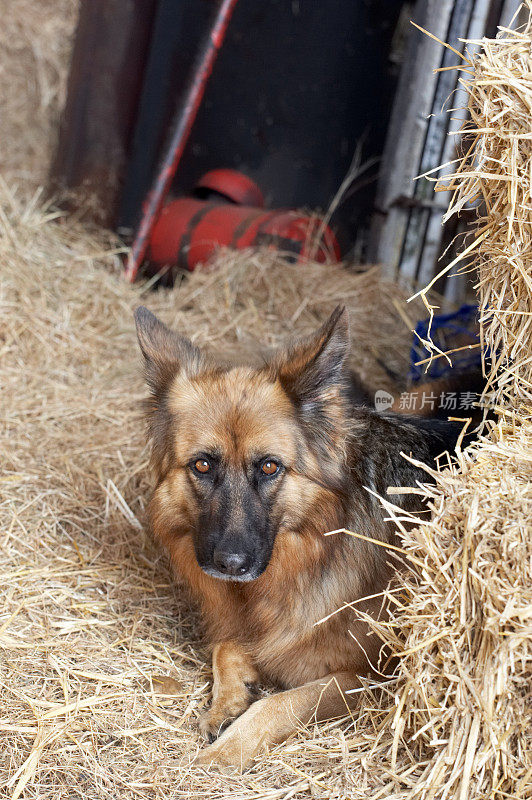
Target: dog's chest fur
pixel 302 645
pixel 278 618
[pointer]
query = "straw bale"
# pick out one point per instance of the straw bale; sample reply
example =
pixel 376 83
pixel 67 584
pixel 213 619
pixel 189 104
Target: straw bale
pixel 463 622
pixel 497 169
pixel 35 44
pixel 494 175
pixel 463 619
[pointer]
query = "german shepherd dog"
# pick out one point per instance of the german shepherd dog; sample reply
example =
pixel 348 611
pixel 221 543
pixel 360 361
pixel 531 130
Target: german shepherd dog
pixel 252 467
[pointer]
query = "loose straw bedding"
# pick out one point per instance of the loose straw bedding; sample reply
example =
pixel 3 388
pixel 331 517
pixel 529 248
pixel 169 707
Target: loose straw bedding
pixel 93 632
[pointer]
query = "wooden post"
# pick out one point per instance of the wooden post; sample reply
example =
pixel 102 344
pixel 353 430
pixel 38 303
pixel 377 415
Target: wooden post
pixel 110 49
pixel 407 133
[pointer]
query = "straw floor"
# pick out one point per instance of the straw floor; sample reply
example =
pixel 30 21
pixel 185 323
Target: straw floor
pixel 89 615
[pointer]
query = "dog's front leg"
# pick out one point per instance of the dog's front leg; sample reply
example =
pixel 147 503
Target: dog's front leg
pixel 273 719
pixel 233 678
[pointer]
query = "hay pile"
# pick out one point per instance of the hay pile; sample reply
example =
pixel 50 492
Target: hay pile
pixel 35 44
pixel 464 622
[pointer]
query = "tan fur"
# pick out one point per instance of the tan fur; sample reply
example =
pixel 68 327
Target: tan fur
pixel 273 719
pixel 234 675
pixel 247 413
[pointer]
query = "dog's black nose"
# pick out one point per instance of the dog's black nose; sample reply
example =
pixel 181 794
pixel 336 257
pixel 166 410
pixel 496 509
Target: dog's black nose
pixel 231 563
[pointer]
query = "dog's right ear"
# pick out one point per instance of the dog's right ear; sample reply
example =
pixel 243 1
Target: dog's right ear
pixel 166 353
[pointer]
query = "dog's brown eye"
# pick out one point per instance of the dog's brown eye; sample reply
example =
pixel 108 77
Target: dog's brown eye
pixel 270 467
pixel 202 465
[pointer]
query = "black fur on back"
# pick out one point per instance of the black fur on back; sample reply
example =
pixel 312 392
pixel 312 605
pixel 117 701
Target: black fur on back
pixel 381 442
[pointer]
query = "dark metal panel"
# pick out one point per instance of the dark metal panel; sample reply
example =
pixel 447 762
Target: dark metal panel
pixel 295 87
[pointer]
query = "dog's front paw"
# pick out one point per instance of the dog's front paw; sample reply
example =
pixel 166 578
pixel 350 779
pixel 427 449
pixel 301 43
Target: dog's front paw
pixel 239 743
pixel 212 723
pixel 222 713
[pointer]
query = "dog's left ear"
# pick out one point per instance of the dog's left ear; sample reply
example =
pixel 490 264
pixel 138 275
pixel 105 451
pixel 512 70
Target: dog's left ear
pixel 311 370
pixel 165 352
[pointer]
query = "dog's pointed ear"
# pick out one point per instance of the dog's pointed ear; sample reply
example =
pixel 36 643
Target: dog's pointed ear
pixel 311 370
pixel 165 352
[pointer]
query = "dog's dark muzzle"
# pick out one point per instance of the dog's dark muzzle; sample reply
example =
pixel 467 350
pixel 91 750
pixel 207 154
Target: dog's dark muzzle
pixel 231 564
pixel 236 558
pixel 232 567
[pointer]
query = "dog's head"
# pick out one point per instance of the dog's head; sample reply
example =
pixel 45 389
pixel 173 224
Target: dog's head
pixel 243 454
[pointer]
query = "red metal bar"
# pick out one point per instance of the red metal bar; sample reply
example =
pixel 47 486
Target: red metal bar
pixel 181 129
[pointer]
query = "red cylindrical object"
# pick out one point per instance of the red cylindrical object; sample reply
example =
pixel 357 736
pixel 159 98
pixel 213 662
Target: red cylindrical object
pixel 188 231
pixel 231 185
